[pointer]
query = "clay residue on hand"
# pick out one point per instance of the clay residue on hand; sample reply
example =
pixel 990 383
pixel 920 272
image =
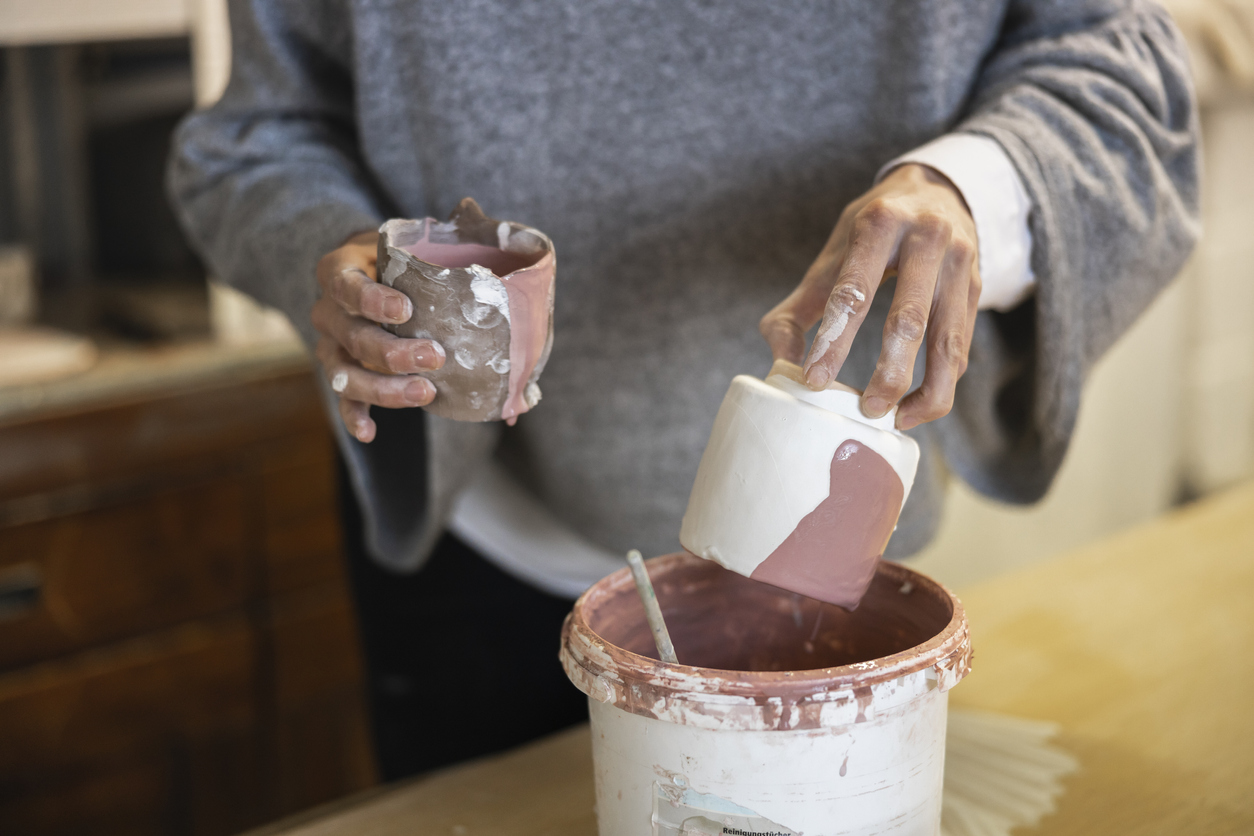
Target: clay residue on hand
pixel 841 307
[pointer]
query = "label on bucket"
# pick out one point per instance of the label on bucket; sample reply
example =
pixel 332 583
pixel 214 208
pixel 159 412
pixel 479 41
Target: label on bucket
pixel 680 811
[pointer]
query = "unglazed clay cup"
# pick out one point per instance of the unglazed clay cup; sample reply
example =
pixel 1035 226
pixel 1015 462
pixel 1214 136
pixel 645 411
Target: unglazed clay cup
pixel 484 290
pixel 784 715
pixel 798 488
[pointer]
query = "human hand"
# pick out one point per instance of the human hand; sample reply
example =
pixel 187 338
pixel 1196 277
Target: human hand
pixel 364 363
pixel 913 223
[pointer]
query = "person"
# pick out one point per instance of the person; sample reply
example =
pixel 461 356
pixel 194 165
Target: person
pixel 994 190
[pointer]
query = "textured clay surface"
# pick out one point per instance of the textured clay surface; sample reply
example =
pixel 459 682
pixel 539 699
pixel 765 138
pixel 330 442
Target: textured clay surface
pixel 484 290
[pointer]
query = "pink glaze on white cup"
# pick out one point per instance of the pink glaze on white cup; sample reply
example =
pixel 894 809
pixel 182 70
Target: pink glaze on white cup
pixel 798 488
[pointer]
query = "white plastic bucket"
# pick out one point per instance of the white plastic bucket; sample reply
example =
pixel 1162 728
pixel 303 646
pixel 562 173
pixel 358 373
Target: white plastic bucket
pixel 788 716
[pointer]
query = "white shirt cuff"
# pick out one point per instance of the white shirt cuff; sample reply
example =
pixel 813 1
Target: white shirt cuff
pixel 999 204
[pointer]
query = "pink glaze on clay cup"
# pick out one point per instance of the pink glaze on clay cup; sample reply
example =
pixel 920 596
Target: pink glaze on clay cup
pixel 483 289
pixel 798 488
pixel 785 715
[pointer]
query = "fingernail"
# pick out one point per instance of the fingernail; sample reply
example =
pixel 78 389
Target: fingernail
pixel 397 309
pixel 907 422
pixel 362 429
pixel 816 377
pixel 340 382
pixel 416 392
pixel 429 357
pixel 875 407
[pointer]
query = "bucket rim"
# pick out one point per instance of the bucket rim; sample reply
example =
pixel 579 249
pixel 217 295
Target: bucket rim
pixel 640 684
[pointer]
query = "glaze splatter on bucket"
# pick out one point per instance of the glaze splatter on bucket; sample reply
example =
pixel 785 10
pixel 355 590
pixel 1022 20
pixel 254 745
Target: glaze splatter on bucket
pixel 791 715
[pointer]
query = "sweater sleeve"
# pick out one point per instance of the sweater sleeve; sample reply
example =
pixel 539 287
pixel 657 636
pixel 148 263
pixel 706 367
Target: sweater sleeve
pixel 1094 105
pixel 270 178
pixel 266 182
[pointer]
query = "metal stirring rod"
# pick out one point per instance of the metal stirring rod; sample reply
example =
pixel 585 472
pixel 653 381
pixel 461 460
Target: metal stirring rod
pixel 652 612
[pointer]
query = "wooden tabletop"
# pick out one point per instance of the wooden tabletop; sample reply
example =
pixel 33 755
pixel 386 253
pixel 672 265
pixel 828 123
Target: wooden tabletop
pixel 1141 647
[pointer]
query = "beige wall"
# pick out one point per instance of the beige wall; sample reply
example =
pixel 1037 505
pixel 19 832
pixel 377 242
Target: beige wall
pixel 67 21
pixel 1219 444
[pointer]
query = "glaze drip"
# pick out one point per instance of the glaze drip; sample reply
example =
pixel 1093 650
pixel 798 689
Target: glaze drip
pixel 833 550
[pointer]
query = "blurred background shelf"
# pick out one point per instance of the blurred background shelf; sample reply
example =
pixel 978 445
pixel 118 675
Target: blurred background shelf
pixel 124 371
pixel 24 22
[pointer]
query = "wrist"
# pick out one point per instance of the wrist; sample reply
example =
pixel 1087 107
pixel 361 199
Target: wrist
pixel 997 202
pixel 921 175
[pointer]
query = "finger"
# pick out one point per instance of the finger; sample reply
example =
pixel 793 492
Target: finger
pixel 359 295
pixel 923 251
pixel 350 380
pixel 873 240
pixel 374 347
pixel 969 251
pixel 784 326
pixel 357 420
pixel 973 305
pixel 360 252
pixel 948 338
pixel 347 275
pixel 354 414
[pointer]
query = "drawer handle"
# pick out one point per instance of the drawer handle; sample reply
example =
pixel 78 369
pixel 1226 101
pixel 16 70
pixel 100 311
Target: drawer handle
pixel 20 589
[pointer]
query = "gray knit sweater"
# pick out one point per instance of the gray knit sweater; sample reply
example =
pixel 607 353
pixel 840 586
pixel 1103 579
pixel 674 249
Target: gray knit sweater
pixel 689 158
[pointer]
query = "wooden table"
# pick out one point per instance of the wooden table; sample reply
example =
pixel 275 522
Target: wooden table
pixel 1141 647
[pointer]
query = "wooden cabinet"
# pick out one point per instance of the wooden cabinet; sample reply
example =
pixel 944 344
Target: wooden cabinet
pixel 177 643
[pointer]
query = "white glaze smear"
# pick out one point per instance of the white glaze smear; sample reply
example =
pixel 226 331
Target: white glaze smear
pixel 840 307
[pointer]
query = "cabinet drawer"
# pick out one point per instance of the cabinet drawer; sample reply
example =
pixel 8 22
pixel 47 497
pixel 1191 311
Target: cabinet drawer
pixel 76 581
pixel 154 439
pixel 155 735
pixel 302 522
pixel 323 737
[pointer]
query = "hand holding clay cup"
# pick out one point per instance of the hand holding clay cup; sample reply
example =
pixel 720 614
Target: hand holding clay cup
pixel 364 363
pixel 484 290
pixel 913 223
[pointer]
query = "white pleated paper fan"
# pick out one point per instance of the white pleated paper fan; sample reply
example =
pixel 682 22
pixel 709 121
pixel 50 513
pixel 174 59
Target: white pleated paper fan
pixel 1000 773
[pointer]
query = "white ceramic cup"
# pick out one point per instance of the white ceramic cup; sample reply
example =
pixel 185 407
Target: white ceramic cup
pixel 798 488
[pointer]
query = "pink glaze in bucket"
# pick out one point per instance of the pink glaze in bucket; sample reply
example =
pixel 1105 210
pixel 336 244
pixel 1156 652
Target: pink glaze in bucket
pixel 787 714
